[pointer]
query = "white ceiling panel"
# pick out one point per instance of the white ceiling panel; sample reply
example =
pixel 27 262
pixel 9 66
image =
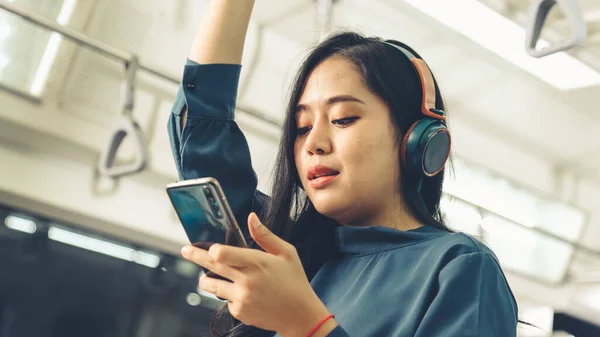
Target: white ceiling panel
pixel 535 114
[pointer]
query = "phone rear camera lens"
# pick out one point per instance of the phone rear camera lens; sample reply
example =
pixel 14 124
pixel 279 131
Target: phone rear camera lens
pixel 215 206
pixel 206 191
pixel 218 213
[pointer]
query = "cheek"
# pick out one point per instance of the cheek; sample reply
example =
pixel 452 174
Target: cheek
pixel 371 154
pixel 299 159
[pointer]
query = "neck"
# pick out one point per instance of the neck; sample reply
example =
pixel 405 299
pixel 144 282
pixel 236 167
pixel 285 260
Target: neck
pixel 394 214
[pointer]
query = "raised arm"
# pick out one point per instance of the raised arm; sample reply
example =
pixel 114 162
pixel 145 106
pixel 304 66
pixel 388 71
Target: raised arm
pixel 222 34
pixel 205 140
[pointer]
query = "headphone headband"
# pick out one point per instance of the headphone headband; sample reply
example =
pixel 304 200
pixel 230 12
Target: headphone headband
pixel 426 144
pixel 427 84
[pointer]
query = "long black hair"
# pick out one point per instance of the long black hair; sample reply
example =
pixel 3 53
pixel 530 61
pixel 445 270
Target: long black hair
pixel 391 76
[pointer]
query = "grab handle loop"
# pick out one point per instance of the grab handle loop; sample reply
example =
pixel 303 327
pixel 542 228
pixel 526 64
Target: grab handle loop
pixel 537 17
pixel 126 126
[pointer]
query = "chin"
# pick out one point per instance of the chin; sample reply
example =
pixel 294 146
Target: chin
pixel 331 206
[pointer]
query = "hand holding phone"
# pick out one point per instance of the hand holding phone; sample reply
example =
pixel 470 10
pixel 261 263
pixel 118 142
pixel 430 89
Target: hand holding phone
pixel 205 214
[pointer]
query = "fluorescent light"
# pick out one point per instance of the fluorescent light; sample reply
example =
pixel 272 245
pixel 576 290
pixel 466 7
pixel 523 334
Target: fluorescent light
pixel 5 31
pixel 592 299
pixel 103 247
pixel 66 12
pixel 4 61
pixel 500 196
pixel 501 214
pixel 92 244
pixel 146 259
pixel 41 75
pixel 509 232
pixel 525 251
pixel 492 193
pixel 49 56
pixel 193 299
pixel 498 34
pixel 20 224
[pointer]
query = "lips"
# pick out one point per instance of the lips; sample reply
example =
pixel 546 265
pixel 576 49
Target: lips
pixel 318 171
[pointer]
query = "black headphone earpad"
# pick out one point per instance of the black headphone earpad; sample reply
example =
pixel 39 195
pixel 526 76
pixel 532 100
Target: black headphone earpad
pixel 425 147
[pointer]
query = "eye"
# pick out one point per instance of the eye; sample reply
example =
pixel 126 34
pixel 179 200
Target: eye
pixel 344 121
pixel 302 131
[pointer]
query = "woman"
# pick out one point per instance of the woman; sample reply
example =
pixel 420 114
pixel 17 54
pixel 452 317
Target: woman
pixel 365 229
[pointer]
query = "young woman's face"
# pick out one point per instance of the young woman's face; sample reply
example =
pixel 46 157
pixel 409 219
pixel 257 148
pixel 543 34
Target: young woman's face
pixel 345 149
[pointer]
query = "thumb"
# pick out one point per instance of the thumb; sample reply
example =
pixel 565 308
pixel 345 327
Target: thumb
pixel 268 241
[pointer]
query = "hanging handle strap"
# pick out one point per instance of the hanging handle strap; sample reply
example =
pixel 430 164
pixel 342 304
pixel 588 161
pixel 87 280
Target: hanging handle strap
pixel 537 17
pixel 324 16
pixel 126 126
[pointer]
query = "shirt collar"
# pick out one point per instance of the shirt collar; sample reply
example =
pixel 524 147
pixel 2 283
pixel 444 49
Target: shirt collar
pixel 374 239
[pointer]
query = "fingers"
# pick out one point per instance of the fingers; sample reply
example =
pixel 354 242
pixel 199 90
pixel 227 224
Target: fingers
pixel 235 256
pixel 202 258
pixel 266 239
pixel 220 288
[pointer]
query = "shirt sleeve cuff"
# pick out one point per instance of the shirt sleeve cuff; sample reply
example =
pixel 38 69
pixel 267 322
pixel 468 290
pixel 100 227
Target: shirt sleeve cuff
pixel 208 90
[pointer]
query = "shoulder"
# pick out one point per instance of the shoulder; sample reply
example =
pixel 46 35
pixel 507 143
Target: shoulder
pixel 451 245
pixel 459 255
pixel 462 258
pixel 468 289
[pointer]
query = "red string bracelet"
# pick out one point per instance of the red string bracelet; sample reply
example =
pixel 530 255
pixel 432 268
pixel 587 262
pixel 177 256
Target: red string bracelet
pixel 320 324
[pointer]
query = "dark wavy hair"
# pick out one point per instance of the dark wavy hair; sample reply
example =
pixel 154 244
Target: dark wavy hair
pixel 389 75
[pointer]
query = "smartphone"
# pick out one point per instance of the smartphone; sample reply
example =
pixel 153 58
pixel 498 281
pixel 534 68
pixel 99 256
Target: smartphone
pixel 205 214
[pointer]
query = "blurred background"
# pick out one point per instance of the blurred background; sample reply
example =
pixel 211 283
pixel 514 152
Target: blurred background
pixel 86 254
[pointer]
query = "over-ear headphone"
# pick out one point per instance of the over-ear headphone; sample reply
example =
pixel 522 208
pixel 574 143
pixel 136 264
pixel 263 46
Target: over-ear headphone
pixel 425 147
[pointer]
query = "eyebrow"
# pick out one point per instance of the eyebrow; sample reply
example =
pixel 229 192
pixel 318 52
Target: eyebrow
pixel 332 100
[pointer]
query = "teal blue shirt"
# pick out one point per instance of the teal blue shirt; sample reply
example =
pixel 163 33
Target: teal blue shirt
pixel 377 281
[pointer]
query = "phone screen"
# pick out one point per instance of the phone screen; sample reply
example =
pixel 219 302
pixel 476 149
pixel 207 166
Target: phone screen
pixel 203 215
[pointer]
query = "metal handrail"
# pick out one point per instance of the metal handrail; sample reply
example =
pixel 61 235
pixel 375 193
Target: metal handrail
pixel 110 51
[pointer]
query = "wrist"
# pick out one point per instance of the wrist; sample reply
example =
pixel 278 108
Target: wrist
pixel 308 320
pixel 325 328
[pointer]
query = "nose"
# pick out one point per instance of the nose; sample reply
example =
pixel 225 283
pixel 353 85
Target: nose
pixel 319 139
